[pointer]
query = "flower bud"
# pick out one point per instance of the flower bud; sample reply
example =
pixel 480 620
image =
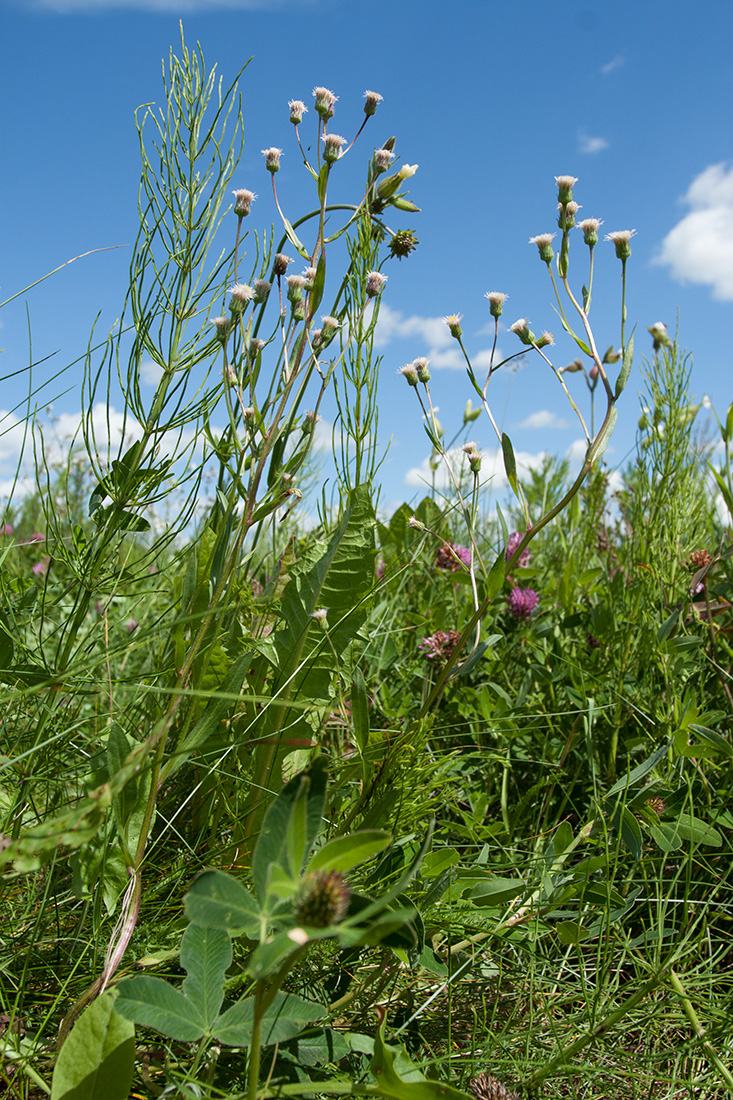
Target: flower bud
pixel 620 240
pixel 309 274
pixel 565 186
pixel 382 157
pixel 496 302
pixel 272 159
pixel 242 295
pixel 332 147
pixel 325 101
pixel 453 321
pixel 256 345
pixel 223 325
pixel 309 422
pixel 374 283
pixel 474 461
pixel 409 372
pixel 331 325
pixel 545 339
pixel 521 329
pixel 590 227
pixel 297 110
pixel 660 336
pixel 470 414
pixel 421 366
pixel 323 898
pixel 262 290
pixel 243 199
pixel 544 246
pixel 566 214
pixel 372 100
pixel 280 264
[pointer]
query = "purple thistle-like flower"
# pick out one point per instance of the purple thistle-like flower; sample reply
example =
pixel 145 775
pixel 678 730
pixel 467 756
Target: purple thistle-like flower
pixel 451 557
pixel 522 602
pixel 439 646
pixel 513 542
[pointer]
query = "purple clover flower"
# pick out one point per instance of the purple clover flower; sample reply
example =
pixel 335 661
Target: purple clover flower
pixel 439 646
pixel 6 529
pixel 451 557
pixel 525 557
pixel 522 602
pixel 40 567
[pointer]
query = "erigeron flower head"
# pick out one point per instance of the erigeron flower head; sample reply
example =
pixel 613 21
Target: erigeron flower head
pixel 522 603
pixel 272 158
pixel 280 264
pixel 512 543
pixel 297 110
pixel 475 459
pixel 521 329
pixel 544 246
pixel 309 274
pixel 590 227
pixel 566 214
pixel 331 325
pixel 382 157
pixel 243 200
pixel 242 295
pixel 325 101
pixel 565 186
pixel 374 283
pixel 230 375
pixel 453 321
pixel 496 302
pixel 296 286
pixel 256 345
pixel 332 147
pixel 545 340
pixel 659 335
pixel 410 373
pixel 310 420
pixel 620 239
pixel 421 366
pixel 262 289
pixel 223 325
pixel 371 102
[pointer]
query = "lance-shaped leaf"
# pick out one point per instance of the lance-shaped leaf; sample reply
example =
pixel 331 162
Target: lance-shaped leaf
pixel 290 825
pixel 98 1059
pixel 283 1019
pixel 217 900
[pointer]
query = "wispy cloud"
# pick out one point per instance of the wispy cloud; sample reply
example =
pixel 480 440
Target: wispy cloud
pixel 177 7
pixel 699 248
pixel 615 63
pixel 428 336
pixel 543 418
pixel 587 143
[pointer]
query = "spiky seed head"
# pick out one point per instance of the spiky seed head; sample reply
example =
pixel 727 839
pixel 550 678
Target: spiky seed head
pixel 323 897
pixel 486 1087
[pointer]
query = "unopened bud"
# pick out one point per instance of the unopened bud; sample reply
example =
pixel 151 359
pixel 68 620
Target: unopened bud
pixel 470 414
pixel 309 422
pixel 280 264
pixel 590 227
pixel 566 214
pixel 331 325
pixel 371 101
pixel 410 373
pixel 262 290
pixel 521 329
pixel 272 159
pixel 332 147
pixel 545 339
pixel 496 302
pixel 382 157
pixel 374 283
pixel 544 246
pixel 223 325
pixel 565 186
pixel 243 199
pixel 474 461
pixel 421 366
pixel 660 336
pixel 297 110
pixel 325 101
pixel 296 285
pixel 309 274
pixel 620 240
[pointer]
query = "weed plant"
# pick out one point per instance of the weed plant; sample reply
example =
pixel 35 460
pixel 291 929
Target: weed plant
pixel 434 805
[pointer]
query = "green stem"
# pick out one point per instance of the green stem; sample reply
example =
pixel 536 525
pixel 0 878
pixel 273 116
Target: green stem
pixel 689 1011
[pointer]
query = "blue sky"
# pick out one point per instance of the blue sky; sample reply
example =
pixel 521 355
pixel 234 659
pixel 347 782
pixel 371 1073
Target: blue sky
pixel 490 100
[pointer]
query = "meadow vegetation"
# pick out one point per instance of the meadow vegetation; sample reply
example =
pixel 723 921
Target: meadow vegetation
pixel 421 805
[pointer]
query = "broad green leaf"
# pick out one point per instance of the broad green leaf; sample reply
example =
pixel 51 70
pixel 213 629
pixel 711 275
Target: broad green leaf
pixel 496 576
pixel 631 832
pixel 322 1046
pixel 666 836
pixel 156 1004
pixel 435 863
pixel 272 843
pixel 570 933
pixel 344 852
pixel 217 900
pixel 206 954
pixel 284 1019
pixel 697 831
pixel 217 706
pixel 497 890
pixel 97 1060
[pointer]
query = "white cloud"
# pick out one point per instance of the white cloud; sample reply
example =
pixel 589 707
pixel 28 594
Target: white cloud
pixel 543 418
pixel 699 249
pixel 150 372
pixel 492 468
pixel 615 63
pixel 589 144
pixel 429 336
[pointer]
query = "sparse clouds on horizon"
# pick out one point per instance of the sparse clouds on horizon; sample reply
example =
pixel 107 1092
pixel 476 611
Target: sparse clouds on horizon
pixel 543 418
pixel 430 336
pixel 699 248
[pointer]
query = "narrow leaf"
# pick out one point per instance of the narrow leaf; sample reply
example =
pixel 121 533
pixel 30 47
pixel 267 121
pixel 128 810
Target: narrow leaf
pixel 625 367
pixel 344 852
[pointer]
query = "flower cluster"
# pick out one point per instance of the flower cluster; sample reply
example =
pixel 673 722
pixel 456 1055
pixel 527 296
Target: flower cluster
pixel 451 557
pixel 323 899
pixel 440 646
pixel 522 603
pixel 513 542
